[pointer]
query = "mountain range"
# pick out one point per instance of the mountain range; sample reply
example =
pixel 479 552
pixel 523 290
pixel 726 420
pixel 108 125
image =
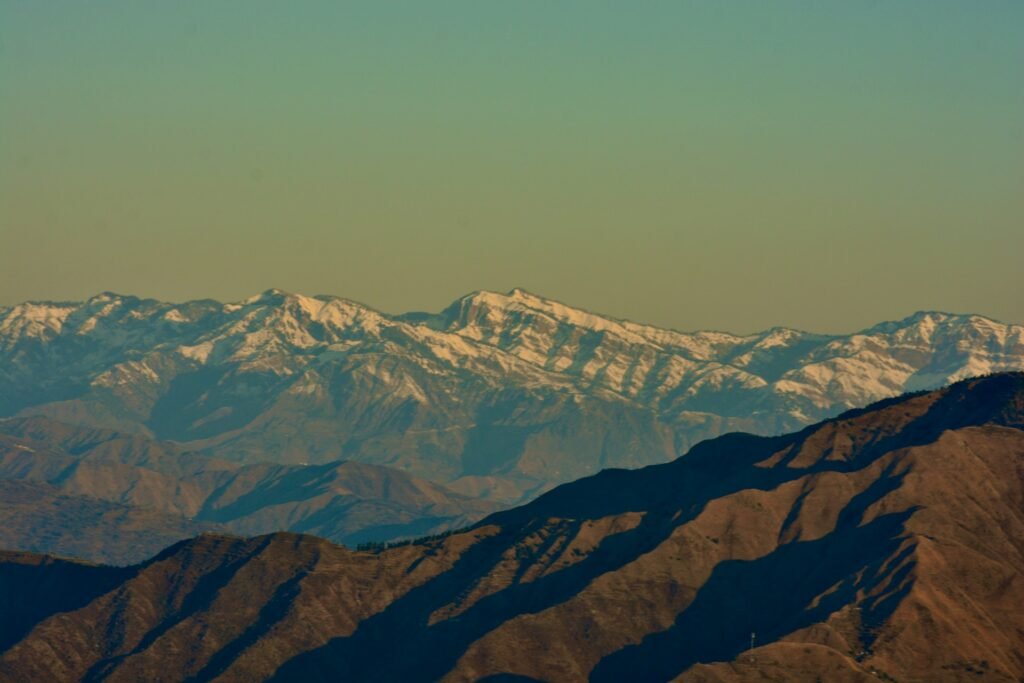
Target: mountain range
pixel 498 397
pixel 886 543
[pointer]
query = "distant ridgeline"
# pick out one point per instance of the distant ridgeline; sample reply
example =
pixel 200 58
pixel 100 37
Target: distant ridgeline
pixel 499 396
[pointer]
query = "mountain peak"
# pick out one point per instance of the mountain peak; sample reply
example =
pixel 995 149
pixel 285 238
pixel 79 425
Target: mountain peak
pixel 267 296
pixel 109 296
pixel 925 322
pixel 932 317
pixel 521 294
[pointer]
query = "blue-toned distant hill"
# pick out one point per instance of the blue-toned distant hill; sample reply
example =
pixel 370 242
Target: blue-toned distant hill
pixel 118 498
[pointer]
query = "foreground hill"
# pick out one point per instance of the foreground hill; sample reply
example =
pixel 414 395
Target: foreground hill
pixel 885 544
pixel 111 497
pixel 500 395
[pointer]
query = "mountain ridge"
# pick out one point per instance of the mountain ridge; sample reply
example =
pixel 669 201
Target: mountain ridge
pixel 496 395
pixel 515 292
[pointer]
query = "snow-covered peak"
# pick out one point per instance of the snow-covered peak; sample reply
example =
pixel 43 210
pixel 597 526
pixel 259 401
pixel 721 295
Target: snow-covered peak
pixel 486 314
pixel 938 328
pixel 277 308
pixel 106 297
pixel 517 336
pixel 778 337
pixel 921 320
pixel 267 296
pixel 34 319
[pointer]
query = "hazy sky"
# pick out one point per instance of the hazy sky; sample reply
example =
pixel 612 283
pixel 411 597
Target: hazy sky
pixel 730 165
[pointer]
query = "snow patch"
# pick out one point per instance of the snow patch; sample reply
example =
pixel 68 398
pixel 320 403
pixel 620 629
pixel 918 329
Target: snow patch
pixel 199 352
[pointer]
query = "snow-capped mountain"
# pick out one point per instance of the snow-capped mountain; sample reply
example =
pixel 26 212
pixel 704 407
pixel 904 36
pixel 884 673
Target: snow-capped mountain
pixel 499 395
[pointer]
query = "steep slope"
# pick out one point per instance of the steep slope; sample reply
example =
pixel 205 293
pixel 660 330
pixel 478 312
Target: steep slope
pixel 93 493
pixel 499 395
pixel 887 543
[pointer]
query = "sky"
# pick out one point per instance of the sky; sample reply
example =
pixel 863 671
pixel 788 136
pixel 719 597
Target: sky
pixel 698 165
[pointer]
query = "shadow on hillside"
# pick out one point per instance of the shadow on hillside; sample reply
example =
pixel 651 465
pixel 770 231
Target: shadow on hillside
pixel 997 399
pixel 775 595
pixel 771 596
pixel 30 593
pixel 671 496
pixel 198 598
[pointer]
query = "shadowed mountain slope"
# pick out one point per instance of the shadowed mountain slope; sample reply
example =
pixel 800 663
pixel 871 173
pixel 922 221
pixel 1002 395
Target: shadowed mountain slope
pixel 33 587
pixel 500 395
pixel 887 543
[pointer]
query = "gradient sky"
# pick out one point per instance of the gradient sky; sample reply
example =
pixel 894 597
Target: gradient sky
pixel 728 165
